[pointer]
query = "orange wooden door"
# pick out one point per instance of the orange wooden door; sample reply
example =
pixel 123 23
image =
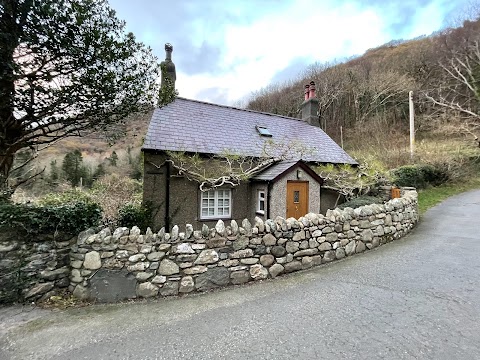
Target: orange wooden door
pixel 297 198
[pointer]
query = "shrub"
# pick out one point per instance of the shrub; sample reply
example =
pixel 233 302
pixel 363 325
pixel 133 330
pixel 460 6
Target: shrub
pixel 360 201
pixel 70 196
pixel 419 176
pixel 112 192
pixel 69 218
pixel 433 175
pixel 135 215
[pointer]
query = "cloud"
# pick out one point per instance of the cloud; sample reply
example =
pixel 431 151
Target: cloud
pixel 224 50
pixel 214 95
pixel 203 59
pixel 291 72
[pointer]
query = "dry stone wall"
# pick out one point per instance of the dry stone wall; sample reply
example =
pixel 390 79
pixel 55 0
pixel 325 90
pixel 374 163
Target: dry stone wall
pixel 33 269
pixel 127 264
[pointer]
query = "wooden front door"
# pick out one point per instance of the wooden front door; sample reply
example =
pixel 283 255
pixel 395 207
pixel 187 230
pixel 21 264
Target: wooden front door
pixel 297 198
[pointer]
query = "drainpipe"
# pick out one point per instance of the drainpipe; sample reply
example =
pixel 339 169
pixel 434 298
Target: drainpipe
pixel 167 199
pixel 269 189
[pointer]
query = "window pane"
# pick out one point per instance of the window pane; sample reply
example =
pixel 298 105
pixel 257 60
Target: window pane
pixel 215 203
pixel 262 205
pixel 296 196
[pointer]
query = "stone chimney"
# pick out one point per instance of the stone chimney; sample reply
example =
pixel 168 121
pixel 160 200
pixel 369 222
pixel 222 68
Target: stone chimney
pixel 168 68
pixel 310 105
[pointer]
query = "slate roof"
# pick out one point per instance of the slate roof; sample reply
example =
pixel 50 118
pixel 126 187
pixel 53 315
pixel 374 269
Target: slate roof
pixel 195 126
pixel 275 170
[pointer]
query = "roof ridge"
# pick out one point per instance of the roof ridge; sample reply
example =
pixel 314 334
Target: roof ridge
pixel 237 108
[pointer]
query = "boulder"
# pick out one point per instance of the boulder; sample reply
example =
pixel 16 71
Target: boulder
pixel 213 278
pixel 168 267
pixel 208 256
pixel 147 290
pixel 258 272
pixel 92 260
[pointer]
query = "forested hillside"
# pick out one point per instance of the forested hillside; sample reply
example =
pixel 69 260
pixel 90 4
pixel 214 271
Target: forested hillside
pixel 368 95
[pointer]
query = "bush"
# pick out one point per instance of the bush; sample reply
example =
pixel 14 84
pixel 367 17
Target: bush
pixel 360 201
pixel 419 176
pixel 133 215
pixel 434 175
pixel 71 196
pixel 112 192
pixel 69 218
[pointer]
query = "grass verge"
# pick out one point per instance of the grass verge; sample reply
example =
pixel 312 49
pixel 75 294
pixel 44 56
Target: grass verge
pixel 430 197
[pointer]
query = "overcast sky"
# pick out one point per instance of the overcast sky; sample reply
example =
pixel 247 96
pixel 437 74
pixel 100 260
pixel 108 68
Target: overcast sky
pixel 225 49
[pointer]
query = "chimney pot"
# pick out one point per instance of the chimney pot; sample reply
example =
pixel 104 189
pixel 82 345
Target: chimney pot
pixel 310 106
pixel 312 90
pixel 307 92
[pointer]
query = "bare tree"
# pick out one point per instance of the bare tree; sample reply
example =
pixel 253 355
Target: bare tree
pixel 461 91
pixel 229 168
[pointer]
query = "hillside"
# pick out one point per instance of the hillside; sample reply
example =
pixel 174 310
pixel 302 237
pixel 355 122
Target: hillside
pixel 98 144
pixel 367 96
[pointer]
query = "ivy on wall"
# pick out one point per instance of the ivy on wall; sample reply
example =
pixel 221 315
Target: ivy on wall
pixel 69 218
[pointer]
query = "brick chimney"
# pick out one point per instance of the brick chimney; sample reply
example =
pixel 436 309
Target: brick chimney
pixel 310 105
pixel 169 74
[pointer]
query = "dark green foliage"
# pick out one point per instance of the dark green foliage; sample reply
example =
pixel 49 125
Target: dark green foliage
pixel 360 201
pixel 434 175
pixel 419 176
pixel 134 215
pixel 72 167
pixel 69 218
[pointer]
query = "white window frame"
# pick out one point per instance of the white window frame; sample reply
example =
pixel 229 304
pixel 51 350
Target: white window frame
pixel 216 199
pixel 261 199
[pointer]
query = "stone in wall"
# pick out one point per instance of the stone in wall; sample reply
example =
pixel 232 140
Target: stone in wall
pixel 213 278
pixel 113 285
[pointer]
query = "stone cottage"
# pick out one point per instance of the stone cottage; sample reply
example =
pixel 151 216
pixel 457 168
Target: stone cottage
pixel 284 186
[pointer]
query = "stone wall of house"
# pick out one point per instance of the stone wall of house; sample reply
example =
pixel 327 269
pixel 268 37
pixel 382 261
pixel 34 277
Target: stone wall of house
pixel 33 268
pixel 127 264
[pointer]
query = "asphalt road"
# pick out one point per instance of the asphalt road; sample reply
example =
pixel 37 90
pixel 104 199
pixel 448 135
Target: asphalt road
pixel 415 298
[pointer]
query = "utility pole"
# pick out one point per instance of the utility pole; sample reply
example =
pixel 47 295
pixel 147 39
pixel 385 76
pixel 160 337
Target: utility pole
pixel 412 124
pixel 341 135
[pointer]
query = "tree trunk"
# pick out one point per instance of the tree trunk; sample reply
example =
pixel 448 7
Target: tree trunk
pixel 10 128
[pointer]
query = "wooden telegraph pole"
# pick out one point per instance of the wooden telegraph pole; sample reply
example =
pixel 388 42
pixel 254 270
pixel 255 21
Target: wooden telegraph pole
pixel 412 124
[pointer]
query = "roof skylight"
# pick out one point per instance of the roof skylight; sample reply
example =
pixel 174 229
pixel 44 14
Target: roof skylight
pixel 263 131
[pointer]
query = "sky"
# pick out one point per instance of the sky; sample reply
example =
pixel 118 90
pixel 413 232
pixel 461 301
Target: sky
pixel 224 50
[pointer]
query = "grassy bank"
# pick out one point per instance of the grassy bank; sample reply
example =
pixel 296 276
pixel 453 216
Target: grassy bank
pixel 430 197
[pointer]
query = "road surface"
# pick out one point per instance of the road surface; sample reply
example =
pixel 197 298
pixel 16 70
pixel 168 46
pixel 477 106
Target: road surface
pixel 415 298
